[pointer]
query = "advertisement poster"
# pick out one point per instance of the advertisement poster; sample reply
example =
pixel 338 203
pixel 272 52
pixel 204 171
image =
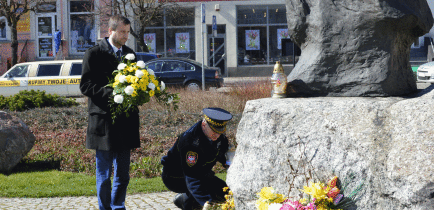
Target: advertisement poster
pixel 150 42
pixel 182 42
pixel 252 40
pixel 24 23
pixel 281 34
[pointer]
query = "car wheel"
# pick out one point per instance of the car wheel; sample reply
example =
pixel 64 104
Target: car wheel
pixel 193 86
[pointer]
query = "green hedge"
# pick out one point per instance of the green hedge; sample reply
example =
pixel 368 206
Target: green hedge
pixel 25 100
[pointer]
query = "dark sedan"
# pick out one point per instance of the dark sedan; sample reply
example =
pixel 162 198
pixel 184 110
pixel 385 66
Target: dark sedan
pixel 185 72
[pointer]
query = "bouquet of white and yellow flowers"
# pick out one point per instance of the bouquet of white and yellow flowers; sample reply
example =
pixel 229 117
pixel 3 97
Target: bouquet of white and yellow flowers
pixel 134 85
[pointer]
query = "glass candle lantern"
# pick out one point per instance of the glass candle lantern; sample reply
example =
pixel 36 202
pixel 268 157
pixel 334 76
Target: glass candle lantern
pixel 279 81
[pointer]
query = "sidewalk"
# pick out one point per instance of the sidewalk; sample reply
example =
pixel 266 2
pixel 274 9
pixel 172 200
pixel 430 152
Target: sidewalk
pixel 151 201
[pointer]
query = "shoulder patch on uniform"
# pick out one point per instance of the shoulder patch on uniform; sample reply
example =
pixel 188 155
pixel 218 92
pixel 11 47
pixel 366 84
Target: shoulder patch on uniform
pixel 191 158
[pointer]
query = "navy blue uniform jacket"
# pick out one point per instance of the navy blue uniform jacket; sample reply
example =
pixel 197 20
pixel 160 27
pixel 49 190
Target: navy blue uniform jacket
pixel 193 156
pixel 99 62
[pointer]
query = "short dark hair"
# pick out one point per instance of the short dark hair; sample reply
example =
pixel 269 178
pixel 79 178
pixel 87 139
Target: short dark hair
pixel 116 19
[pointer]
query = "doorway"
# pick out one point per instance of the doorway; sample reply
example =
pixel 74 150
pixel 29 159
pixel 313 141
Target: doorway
pixel 217 49
pixel 45 35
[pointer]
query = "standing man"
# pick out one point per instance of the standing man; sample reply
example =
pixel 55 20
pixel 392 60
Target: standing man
pixel 187 167
pixel 112 142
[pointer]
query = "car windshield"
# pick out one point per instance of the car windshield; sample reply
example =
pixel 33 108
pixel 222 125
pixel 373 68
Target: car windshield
pixel 18 71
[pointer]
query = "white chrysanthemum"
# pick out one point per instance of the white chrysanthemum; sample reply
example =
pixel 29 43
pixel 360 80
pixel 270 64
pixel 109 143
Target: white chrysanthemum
pixel 122 78
pixel 163 86
pixel 119 99
pixel 275 206
pixel 151 86
pixel 170 100
pixel 139 73
pixel 121 66
pixel 141 64
pixel 129 90
pixel 151 72
pixel 130 56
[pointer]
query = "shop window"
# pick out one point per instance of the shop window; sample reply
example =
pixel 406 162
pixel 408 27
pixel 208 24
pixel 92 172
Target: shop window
pixel 261 29
pixel 253 42
pixel 83 31
pixel 180 42
pixel 154 40
pixel 173 38
pixel 3 28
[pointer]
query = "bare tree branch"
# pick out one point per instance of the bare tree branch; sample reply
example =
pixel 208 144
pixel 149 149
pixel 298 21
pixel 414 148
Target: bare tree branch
pixel 13 10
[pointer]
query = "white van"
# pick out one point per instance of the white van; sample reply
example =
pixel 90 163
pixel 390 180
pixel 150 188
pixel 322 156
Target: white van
pixel 61 77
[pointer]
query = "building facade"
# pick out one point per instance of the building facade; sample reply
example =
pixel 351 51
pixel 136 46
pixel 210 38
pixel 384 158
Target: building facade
pixel 243 38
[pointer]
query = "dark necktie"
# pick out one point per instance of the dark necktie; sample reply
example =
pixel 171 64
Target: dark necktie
pixel 119 55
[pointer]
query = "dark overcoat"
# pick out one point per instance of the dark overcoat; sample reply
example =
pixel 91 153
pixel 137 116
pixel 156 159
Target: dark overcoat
pixel 99 62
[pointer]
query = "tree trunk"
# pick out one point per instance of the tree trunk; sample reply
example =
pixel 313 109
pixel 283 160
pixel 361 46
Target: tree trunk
pixel 14 43
pixel 142 42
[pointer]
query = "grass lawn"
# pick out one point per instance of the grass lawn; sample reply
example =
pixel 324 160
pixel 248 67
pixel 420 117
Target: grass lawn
pixel 54 183
pixel 60 165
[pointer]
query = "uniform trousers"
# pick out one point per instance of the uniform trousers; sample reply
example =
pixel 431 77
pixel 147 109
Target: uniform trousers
pixel 109 198
pixel 178 184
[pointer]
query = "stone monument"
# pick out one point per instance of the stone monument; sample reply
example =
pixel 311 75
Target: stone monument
pixel 349 48
pixel 16 140
pixel 355 48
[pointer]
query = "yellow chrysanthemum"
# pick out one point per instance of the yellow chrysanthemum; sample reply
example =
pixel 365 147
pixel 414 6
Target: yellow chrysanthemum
pixel 145 73
pixel 155 82
pixel 151 93
pixel 152 77
pixel 317 190
pixel 267 196
pixel 128 78
pixel 158 88
pixel 115 83
pixel 134 94
pixel 134 79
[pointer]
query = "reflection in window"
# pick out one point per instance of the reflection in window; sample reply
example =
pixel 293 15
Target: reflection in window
pixel 155 66
pixel 18 71
pixel 3 27
pixel 82 28
pixel 49 70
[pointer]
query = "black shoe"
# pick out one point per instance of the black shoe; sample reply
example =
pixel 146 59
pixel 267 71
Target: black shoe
pixel 179 200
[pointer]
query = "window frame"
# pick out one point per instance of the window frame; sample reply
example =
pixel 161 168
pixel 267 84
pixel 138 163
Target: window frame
pixel 6 29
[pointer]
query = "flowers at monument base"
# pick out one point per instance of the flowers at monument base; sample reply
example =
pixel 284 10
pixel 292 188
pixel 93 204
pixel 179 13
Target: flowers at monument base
pixel 319 196
pixel 134 85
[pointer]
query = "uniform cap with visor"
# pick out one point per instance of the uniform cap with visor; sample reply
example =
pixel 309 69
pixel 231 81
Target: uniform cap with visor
pixel 217 118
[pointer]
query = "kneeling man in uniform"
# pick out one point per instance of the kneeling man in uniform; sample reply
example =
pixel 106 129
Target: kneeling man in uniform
pixel 187 167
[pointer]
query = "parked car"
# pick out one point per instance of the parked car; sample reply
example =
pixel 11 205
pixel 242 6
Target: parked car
pixel 144 56
pixel 425 72
pixel 185 72
pixel 60 77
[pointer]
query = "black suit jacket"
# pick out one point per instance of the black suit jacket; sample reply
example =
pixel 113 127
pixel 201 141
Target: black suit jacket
pixel 99 62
